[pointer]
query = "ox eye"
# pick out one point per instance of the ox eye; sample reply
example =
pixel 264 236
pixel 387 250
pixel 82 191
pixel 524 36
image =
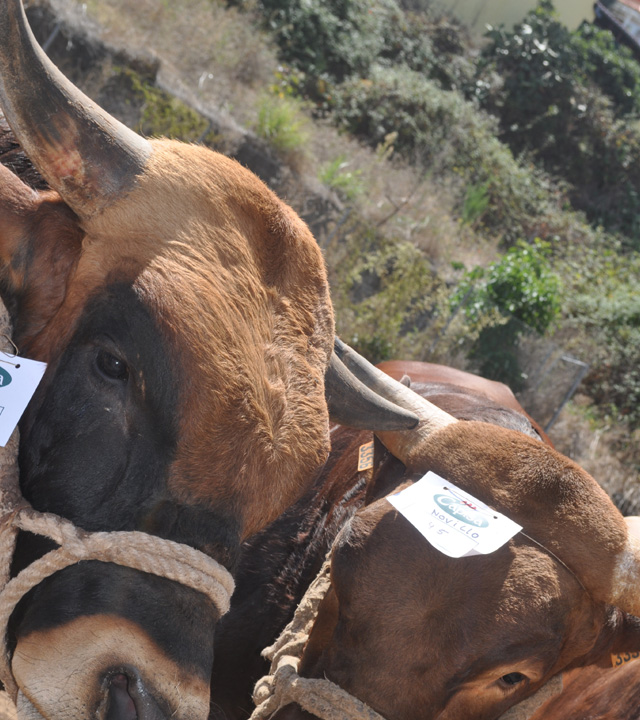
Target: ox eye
pixel 511 679
pixel 112 367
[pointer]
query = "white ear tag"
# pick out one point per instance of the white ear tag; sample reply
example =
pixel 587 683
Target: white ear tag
pixel 19 379
pixel 453 521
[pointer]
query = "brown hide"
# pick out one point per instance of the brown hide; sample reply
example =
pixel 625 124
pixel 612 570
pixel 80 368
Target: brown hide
pixel 423 372
pixel 416 634
pixel 596 688
pixel 39 245
pixel 236 283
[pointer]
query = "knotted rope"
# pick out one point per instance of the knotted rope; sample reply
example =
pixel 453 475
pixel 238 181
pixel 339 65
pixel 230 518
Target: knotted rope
pixel 136 550
pixel 283 685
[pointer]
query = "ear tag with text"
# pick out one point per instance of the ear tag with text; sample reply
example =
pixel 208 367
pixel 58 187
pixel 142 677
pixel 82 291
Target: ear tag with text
pixel 19 379
pixel 620 659
pixel 453 521
pixel 365 457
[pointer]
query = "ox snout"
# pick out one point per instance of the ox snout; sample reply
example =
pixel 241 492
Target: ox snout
pixel 127 698
pixel 104 667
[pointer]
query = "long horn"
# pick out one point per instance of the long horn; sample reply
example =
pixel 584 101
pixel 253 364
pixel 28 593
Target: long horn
pixel 86 155
pixel 351 403
pixel 400 440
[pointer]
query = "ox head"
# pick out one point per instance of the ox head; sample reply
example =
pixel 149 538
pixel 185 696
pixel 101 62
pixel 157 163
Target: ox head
pixel 183 311
pixel 418 635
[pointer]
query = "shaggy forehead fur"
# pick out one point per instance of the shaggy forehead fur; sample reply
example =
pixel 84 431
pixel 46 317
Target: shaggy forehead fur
pixel 238 286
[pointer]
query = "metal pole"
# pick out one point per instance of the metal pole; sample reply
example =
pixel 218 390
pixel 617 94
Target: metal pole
pixel 584 369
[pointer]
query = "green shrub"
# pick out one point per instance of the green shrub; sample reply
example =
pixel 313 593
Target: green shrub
pixel 565 99
pixel 611 315
pixel 520 284
pixel 443 132
pixel 329 41
pixel 600 59
pixel 334 38
pixel 282 124
pixel 516 295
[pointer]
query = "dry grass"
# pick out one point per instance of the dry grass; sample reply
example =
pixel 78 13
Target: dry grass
pixel 606 451
pixel 210 49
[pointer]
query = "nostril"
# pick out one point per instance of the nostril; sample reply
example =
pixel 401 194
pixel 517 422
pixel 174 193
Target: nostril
pixel 120 704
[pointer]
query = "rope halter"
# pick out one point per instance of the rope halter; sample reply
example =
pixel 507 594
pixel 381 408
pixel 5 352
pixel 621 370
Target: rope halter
pixel 321 697
pixel 283 685
pixel 137 550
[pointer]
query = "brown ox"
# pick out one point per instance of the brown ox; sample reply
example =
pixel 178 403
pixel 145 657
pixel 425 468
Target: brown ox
pixel 416 634
pixel 183 311
pixel 423 372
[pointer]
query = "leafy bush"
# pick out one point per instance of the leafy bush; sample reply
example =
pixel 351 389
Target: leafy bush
pixel 329 41
pixel 611 315
pixel 521 284
pixel 334 38
pixel 443 132
pixel 564 98
pixel 515 295
pixel 600 59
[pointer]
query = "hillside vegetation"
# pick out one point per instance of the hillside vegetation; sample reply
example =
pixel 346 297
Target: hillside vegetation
pixel 460 188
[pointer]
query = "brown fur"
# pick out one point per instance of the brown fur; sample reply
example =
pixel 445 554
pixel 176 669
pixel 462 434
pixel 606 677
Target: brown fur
pixel 237 284
pixel 596 690
pixel 418 635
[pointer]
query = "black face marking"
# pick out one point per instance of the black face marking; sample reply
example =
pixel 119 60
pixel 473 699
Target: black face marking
pixel 179 620
pixel 97 444
pixel 101 432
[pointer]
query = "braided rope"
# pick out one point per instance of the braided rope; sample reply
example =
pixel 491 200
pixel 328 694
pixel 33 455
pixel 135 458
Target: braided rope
pixel 283 685
pixel 318 696
pixel 137 550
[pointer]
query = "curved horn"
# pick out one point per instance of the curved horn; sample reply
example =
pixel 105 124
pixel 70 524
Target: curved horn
pixel 351 403
pixel 402 442
pixel 86 155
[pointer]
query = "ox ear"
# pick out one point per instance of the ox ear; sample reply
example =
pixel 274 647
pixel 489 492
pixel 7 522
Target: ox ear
pixel 40 241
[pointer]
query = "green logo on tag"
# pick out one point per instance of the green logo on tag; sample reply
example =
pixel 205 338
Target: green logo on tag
pixel 5 378
pixel 457 509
